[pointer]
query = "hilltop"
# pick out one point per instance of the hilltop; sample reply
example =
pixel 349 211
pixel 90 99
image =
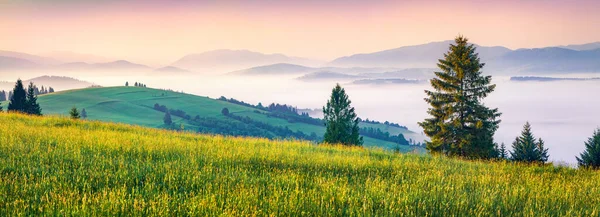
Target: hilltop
pixel 135 105
pixel 52 166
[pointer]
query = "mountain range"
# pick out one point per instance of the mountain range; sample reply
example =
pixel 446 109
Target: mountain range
pixel 499 60
pixel 416 56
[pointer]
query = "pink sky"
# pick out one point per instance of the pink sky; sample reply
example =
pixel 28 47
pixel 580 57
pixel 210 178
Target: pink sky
pixel 160 32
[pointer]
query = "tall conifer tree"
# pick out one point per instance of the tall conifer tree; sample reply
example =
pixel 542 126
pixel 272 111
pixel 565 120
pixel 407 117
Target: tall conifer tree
pixel 591 156
pixel 18 99
pixel 340 120
pixel 460 124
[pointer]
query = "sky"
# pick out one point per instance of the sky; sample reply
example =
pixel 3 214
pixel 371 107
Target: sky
pixel 158 32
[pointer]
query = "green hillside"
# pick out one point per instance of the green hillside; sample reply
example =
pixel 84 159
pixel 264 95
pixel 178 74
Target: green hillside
pixel 134 105
pixel 51 166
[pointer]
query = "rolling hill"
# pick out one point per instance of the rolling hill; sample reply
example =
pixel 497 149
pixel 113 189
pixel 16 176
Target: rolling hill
pixel 134 105
pixel 52 166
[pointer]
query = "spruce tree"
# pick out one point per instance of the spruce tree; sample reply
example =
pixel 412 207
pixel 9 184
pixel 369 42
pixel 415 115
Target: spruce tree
pixel 460 124
pixel 74 113
pixel 32 107
pixel 542 151
pixel 503 154
pixel 527 149
pixel 83 113
pixel 167 119
pixel 18 100
pixel 2 96
pixel 127 84
pixel 590 158
pixel 340 120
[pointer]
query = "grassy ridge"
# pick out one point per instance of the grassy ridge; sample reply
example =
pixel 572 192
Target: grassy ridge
pixel 133 105
pixel 55 166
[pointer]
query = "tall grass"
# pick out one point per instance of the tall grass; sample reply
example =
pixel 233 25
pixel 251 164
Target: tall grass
pixel 56 166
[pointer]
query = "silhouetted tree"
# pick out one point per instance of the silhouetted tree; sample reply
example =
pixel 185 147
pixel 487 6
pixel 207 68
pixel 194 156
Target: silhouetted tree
pixel 340 120
pixel 18 100
pixel 136 84
pixel 83 113
pixel 50 90
pixel 460 124
pixel 127 84
pixel 2 96
pixel 74 113
pixel 167 119
pixel 590 158
pixel 31 106
pixel 527 149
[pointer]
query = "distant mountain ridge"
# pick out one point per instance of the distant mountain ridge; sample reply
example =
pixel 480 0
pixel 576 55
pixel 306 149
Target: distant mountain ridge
pixel 580 47
pixel 498 59
pixel 545 79
pixel 57 82
pixel 566 59
pixel 547 60
pixel 39 60
pixel 415 56
pixel 115 65
pixel 221 61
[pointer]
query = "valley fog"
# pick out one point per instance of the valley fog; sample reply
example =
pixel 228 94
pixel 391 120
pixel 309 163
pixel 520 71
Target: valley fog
pixel 563 113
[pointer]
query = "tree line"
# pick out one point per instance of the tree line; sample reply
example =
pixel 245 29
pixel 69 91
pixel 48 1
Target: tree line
pixel 136 84
pixel 240 126
pixel 24 100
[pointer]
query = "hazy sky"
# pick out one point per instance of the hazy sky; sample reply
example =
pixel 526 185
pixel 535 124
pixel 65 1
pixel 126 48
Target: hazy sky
pixel 160 32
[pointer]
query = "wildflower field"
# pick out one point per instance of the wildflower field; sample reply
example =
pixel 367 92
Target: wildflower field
pixel 57 166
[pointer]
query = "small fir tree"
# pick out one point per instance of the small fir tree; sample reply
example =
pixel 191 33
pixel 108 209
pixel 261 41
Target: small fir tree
pixel 32 106
pixel 527 149
pixel 83 113
pixel 341 120
pixel 74 113
pixel 590 158
pixel 502 152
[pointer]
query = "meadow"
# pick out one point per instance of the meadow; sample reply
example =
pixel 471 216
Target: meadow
pixel 133 105
pixel 56 166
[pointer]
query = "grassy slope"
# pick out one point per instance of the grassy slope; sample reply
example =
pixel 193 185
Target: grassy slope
pixel 55 166
pixel 133 105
